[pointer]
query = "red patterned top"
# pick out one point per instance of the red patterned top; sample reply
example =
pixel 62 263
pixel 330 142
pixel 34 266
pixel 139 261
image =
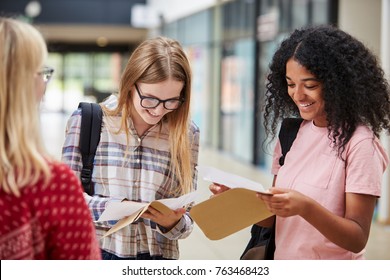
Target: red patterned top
pixel 51 222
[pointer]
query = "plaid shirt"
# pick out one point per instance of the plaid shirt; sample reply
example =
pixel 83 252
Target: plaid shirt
pixel 140 174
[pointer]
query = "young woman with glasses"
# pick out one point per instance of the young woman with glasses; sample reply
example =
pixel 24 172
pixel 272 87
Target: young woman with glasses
pixel 148 150
pixel 43 214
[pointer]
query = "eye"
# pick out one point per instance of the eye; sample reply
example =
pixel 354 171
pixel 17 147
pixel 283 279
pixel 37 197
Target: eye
pixel 290 85
pixel 311 86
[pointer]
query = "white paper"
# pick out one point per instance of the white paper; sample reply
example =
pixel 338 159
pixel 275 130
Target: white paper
pixel 117 210
pixel 218 176
pixel 177 202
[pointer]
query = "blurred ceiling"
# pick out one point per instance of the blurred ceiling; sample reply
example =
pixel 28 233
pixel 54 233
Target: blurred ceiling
pixel 86 25
pixel 102 38
pixel 91 33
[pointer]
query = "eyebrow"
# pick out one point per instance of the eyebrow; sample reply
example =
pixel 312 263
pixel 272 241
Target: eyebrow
pixel 149 95
pixel 304 80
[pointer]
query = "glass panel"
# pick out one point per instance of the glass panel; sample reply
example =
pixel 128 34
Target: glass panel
pixel 238 19
pixel 320 11
pixel 267 50
pixel 300 13
pixel 237 114
pixel 285 15
pixel 197 28
pixel 81 76
pixel 200 96
pixel 171 30
pixel 76 79
pixel 53 98
pixel 268 23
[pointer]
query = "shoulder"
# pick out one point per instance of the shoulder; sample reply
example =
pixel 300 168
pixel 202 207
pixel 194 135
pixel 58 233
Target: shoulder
pixel 194 130
pixel 58 167
pixel 76 113
pixel 364 140
pixel 111 102
pixel 63 177
pixel 75 118
pixel 193 127
pixel 62 187
pixel 362 133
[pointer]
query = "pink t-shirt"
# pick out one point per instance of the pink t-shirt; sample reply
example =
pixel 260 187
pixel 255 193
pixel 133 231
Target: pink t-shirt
pixel 313 168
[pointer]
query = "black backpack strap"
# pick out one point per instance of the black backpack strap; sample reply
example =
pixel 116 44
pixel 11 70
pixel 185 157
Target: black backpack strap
pixel 91 124
pixel 287 134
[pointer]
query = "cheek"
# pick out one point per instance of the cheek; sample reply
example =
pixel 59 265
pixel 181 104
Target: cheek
pixel 322 108
pixel 320 102
pixel 40 88
pixel 137 105
pixel 320 99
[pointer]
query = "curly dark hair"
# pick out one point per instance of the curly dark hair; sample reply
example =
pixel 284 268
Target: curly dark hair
pixel 355 90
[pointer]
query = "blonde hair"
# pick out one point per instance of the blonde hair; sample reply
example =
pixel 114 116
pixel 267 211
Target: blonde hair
pixel 153 61
pixel 22 53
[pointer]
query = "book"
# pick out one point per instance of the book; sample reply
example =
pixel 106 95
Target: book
pixel 232 210
pixel 127 212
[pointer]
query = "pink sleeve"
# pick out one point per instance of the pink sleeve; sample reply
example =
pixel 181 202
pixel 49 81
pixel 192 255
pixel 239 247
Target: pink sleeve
pixel 366 161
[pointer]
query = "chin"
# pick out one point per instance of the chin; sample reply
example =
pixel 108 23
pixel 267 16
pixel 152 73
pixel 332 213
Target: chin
pixel 152 121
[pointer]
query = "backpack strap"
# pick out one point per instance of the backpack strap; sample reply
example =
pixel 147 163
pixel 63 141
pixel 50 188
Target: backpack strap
pixel 91 124
pixel 287 134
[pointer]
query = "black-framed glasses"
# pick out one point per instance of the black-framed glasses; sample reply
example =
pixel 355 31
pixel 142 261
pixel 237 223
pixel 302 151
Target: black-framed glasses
pixel 46 74
pixel 152 102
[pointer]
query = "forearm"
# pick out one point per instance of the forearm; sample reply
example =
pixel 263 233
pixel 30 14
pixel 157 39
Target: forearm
pixel 344 232
pixel 181 230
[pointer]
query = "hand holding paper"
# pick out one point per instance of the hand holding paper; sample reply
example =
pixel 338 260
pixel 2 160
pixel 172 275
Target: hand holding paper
pixel 231 210
pixel 128 212
pixel 229 180
pixel 167 220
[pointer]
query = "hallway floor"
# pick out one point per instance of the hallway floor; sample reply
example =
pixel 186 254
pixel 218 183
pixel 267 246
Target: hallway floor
pixel 197 246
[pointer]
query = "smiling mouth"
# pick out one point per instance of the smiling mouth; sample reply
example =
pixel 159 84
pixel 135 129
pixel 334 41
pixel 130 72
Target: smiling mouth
pixel 152 114
pixel 305 105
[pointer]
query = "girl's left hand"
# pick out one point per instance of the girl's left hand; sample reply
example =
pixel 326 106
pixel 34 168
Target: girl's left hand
pixel 285 202
pixel 167 221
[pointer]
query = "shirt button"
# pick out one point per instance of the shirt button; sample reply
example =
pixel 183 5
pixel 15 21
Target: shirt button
pixel 138 160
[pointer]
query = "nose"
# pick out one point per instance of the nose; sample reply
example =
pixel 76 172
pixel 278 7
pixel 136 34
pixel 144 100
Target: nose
pixel 160 109
pixel 299 92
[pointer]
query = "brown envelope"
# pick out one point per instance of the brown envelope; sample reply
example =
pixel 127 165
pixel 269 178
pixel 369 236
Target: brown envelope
pixel 229 212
